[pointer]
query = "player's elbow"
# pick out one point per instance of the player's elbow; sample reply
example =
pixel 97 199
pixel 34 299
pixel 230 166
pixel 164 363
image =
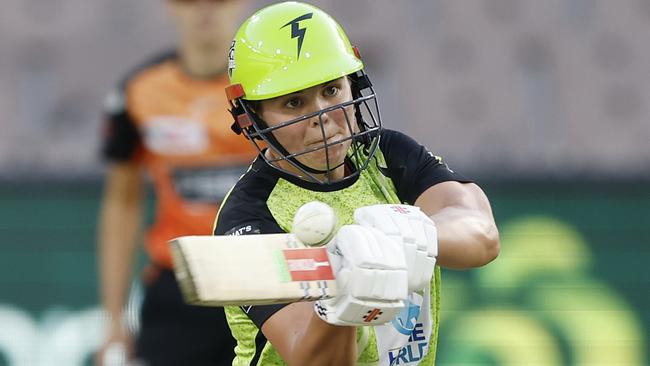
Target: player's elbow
pixel 490 245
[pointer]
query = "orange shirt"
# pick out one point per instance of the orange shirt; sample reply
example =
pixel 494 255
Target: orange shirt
pixel 178 129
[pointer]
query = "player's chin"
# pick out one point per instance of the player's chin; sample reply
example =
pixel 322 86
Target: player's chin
pixel 326 157
pixel 320 161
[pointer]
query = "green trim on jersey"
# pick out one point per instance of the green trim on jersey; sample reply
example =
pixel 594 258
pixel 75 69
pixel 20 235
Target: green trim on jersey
pixel 245 332
pixel 371 188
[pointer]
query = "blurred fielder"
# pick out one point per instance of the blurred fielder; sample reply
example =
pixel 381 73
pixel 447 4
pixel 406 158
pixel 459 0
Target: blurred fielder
pixel 169 121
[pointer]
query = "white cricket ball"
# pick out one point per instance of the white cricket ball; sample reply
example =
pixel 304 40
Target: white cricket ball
pixel 314 223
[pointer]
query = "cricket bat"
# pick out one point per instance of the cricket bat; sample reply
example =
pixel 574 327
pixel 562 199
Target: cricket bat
pixel 251 270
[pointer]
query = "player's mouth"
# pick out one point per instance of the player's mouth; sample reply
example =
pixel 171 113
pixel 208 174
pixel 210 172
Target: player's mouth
pixel 330 140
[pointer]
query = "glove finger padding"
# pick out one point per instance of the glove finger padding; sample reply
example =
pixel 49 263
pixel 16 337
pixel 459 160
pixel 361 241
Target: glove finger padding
pixel 413 229
pixel 368 248
pixel 371 278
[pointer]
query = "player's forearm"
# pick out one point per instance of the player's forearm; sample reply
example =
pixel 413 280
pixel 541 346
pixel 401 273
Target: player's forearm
pixel 302 338
pixel 119 224
pixel 466 238
pixel 118 230
pixel 322 344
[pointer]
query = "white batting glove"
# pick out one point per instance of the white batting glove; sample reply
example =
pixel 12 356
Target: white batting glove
pixel 371 278
pixel 414 230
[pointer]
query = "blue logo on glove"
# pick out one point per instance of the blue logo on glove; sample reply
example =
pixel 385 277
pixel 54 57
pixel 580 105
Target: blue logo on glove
pixel 405 321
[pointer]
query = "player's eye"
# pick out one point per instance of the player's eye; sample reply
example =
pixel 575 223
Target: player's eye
pixel 293 103
pixel 331 91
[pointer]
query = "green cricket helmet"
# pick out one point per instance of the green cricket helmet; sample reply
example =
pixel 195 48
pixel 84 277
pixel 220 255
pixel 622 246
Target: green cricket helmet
pixel 288 47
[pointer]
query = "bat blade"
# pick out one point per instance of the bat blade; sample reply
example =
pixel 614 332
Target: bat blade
pixel 251 270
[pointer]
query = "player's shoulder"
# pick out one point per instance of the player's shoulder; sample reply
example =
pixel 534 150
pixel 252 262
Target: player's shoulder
pixel 115 101
pixel 392 138
pixel 397 145
pixel 152 62
pixel 244 210
pixel 257 183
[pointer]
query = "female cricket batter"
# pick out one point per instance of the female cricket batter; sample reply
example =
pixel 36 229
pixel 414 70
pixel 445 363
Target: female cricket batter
pixel 300 95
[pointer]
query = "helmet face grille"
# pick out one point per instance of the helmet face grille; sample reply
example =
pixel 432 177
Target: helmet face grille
pixel 364 131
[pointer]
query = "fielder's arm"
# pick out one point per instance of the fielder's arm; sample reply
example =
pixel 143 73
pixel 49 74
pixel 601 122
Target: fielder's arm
pixel 119 223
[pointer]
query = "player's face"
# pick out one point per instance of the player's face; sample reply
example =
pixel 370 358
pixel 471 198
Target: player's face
pixel 308 134
pixel 206 22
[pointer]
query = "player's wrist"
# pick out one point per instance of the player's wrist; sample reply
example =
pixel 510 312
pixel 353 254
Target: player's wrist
pixel 116 330
pixel 114 322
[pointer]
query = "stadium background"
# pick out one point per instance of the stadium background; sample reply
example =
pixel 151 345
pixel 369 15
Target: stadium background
pixel 546 103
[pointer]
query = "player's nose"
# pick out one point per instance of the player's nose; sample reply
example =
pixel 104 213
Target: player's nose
pixel 318 105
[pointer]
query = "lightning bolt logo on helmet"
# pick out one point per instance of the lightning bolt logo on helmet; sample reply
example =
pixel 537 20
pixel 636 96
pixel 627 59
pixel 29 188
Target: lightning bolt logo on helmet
pixel 296 31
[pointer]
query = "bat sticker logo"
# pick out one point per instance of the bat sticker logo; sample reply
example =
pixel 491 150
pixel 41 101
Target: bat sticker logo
pixel 296 31
pixel 307 264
